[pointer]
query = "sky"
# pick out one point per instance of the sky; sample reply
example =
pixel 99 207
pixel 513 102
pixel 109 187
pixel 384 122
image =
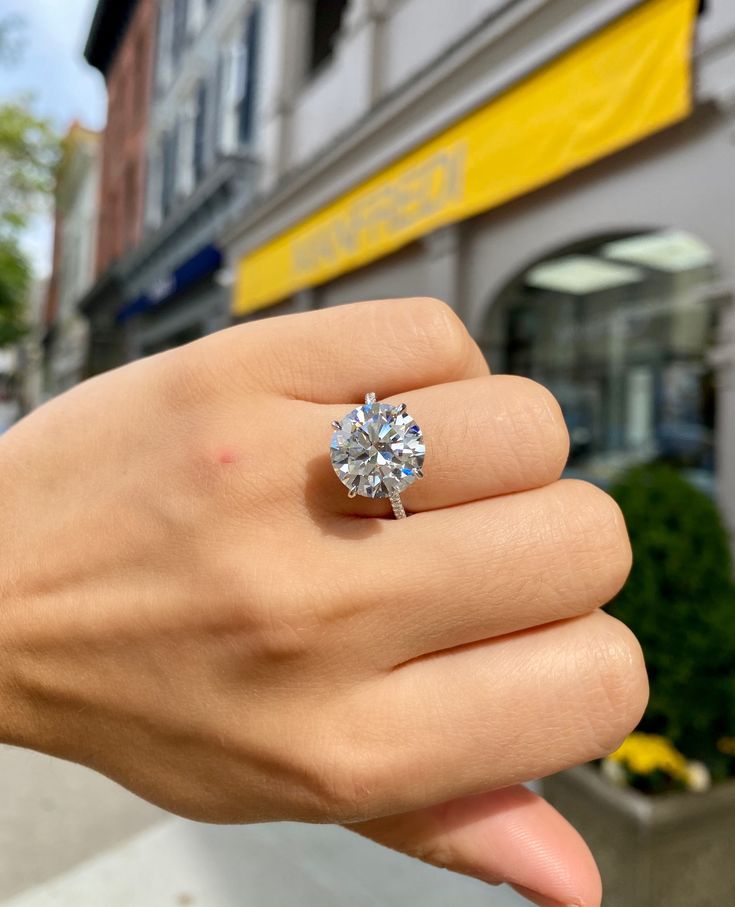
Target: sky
pixel 52 69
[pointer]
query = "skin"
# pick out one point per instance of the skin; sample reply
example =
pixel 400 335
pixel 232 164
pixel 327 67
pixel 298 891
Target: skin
pixel 193 606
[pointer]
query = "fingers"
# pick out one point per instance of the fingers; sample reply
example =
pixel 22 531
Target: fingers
pixel 508 835
pixel 340 354
pixel 492 567
pixel 486 716
pixel 484 436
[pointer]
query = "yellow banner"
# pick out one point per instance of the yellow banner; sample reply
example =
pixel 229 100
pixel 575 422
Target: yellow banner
pixel 625 82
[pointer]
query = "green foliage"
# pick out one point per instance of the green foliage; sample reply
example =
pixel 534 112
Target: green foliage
pixel 29 152
pixel 29 155
pixel 15 282
pixel 680 602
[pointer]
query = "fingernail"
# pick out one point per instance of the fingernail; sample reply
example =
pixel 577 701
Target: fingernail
pixel 541 900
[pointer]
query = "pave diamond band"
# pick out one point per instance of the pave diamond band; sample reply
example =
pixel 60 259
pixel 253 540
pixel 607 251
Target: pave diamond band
pixel 377 451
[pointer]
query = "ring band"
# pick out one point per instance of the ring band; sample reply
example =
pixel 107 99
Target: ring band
pixel 377 451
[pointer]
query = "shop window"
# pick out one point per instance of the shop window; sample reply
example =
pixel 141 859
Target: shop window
pixel 326 23
pixel 619 329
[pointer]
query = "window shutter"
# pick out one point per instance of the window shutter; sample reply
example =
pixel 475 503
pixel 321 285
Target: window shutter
pixel 228 135
pixel 217 107
pixel 200 128
pixel 179 29
pixel 170 157
pixel 246 114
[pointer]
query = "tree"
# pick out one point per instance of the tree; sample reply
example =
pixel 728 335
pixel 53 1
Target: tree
pixel 29 152
pixel 15 283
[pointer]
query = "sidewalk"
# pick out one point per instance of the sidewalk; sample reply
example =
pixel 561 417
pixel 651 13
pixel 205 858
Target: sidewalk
pixel 84 842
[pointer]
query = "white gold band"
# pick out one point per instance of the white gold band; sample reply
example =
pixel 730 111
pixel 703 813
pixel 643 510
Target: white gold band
pixel 396 503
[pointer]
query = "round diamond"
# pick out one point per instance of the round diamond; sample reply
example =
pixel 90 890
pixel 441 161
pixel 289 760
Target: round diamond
pixel 377 450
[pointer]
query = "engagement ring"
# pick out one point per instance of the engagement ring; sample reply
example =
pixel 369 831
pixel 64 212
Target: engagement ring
pixel 377 451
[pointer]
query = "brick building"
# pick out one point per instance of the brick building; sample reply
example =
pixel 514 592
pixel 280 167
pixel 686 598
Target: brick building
pixel 121 46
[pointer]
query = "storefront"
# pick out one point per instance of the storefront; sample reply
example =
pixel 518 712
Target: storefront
pixel 182 305
pixel 582 225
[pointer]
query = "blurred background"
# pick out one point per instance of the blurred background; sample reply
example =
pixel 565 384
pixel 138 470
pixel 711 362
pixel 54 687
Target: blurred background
pixel 562 173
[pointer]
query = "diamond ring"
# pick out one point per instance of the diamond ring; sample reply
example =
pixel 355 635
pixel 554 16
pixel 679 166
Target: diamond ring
pixel 377 451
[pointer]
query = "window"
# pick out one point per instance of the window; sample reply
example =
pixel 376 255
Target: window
pixel 168 176
pixel 153 187
pixel 184 181
pixel 139 75
pixel 164 44
pixel 326 23
pixel 197 16
pixel 180 18
pixel 200 127
pixel 247 77
pixel 131 204
pixel 239 76
pixel 618 329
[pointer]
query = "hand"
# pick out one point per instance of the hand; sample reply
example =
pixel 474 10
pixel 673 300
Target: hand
pixel 192 605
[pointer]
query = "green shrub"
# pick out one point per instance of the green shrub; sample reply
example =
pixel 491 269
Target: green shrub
pixel 680 603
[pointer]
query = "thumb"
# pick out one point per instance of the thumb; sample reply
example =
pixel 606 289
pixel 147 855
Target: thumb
pixel 509 835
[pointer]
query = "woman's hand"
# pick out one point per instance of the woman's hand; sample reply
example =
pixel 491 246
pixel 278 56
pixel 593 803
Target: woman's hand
pixel 192 605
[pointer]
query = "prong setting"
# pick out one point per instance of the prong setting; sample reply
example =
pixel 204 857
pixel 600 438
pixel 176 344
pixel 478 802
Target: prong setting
pixel 377 450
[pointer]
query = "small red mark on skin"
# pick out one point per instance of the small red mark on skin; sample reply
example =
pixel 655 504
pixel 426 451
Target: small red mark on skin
pixel 227 456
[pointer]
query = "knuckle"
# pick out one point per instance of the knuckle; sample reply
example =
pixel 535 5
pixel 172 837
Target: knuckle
pixel 287 629
pixel 541 423
pixel 435 332
pixel 621 684
pixel 279 624
pixel 599 524
pixel 350 784
pixel 556 436
pixel 189 375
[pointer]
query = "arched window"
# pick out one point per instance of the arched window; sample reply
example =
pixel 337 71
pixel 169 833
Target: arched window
pixel 618 328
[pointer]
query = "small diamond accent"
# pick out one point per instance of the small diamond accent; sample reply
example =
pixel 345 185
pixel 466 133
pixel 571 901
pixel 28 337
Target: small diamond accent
pixel 378 450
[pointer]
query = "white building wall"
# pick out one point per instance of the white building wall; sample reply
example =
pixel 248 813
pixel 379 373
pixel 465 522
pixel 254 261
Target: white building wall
pixel 386 47
pixel 79 239
pixel 213 54
pixel 420 31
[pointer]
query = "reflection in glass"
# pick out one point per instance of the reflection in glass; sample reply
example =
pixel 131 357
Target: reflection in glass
pixel 618 329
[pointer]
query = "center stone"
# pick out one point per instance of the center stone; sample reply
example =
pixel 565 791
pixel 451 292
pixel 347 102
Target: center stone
pixel 377 450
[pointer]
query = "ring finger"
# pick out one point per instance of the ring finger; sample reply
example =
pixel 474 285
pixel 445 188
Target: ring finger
pixel 484 437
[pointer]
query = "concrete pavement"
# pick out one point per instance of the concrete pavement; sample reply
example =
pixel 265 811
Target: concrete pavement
pixel 69 838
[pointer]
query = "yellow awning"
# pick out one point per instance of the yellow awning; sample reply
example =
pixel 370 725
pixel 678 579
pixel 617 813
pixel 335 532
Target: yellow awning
pixel 625 82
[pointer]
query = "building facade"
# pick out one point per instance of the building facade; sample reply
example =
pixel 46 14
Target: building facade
pixel 202 162
pixel 121 46
pixel 558 172
pixel 74 257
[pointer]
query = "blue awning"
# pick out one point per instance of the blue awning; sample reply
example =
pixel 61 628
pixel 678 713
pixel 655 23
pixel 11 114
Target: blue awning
pixel 206 261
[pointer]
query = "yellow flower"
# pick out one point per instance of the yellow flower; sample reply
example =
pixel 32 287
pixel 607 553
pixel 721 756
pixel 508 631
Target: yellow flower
pixel 643 754
pixel 726 745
